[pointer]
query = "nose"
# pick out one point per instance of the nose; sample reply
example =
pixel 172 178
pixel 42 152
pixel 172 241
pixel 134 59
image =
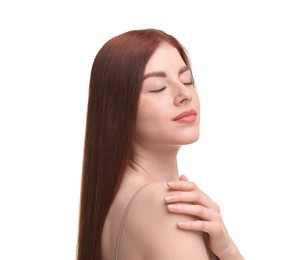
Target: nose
pixel 183 95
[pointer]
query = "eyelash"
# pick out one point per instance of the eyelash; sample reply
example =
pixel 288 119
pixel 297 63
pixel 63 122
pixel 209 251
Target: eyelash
pixel 189 83
pixel 163 88
pixel 158 90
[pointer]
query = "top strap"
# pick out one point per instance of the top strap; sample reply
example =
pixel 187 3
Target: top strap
pixel 124 220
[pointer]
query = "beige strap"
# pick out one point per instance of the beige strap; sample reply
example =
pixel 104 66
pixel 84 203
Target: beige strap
pixel 124 220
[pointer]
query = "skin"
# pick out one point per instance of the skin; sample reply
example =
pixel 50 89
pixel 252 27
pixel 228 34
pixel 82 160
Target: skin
pixel 171 218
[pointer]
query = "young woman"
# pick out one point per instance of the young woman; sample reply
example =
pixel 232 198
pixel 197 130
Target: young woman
pixel 143 106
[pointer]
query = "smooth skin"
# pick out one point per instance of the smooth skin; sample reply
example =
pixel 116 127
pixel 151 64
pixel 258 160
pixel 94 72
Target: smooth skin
pixel 186 198
pixel 171 218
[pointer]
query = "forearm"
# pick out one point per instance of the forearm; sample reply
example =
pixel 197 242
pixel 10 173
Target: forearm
pixel 231 253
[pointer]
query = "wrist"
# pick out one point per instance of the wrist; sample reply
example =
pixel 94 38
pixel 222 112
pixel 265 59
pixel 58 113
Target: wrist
pixel 231 253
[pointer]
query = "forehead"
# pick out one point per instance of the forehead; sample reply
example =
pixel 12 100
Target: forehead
pixel 165 58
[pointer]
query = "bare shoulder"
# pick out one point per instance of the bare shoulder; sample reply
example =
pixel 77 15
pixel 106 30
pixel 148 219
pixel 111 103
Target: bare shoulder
pixel 156 229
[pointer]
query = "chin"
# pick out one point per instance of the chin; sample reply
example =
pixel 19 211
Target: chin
pixel 189 139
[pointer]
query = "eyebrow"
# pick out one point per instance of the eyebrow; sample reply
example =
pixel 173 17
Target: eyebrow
pixel 161 74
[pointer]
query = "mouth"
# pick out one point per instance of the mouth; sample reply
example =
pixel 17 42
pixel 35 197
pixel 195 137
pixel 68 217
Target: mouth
pixel 186 117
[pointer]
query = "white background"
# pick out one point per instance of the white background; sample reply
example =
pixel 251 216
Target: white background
pixel 248 62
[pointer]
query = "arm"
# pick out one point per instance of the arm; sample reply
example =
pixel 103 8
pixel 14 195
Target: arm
pixel 187 198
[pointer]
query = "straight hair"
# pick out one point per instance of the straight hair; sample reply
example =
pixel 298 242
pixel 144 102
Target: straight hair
pixel 115 85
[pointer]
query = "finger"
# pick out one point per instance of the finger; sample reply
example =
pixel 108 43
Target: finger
pixel 191 186
pixel 182 185
pixel 183 178
pixel 197 211
pixel 200 225
pixel 196 197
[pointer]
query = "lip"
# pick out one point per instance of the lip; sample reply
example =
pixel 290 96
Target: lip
pixel 186 117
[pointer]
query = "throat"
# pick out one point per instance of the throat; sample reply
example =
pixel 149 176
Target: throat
pixel 153 170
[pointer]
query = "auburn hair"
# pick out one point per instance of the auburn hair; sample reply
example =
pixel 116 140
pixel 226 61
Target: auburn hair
pixel 115 84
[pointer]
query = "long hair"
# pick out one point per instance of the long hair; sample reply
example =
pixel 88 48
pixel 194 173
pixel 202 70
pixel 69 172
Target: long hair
pixel 115 84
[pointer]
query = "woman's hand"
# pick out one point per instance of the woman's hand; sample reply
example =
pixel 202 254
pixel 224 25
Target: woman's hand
pixel 186 198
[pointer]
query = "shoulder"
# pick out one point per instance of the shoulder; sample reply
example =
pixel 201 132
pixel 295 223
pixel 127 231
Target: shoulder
pixel 156 229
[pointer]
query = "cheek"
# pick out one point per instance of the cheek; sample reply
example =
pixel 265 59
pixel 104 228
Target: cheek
pixel 150 109
pixel 151 116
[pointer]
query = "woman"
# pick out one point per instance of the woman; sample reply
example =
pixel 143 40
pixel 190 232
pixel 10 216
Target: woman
pixel 142 108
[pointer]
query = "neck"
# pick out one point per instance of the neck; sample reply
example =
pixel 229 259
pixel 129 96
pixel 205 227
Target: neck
pixel 158 164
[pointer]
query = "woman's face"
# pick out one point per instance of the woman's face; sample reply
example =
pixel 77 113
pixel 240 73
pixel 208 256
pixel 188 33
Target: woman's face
pixel 168 111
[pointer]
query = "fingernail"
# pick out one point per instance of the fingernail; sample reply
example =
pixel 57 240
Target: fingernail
pixel 171 206
pixel 181 224
pixel 168 198
pixel 169 183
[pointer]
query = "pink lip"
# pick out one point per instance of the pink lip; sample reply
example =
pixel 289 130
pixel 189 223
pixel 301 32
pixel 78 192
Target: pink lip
pixel 186 117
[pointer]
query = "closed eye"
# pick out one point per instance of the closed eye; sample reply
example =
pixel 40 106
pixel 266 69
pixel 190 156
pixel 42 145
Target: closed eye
pixel 189 83
pixel 158 90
